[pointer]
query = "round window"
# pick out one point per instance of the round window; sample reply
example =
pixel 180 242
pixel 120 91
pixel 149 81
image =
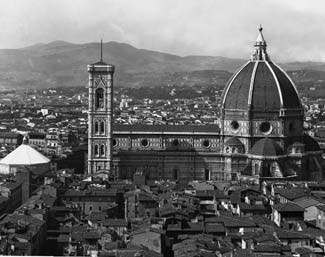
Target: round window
pixel 265 127
pixel 175 142
pixel 114 142
pixel 144 142
pixel 206 143
pixel 234 125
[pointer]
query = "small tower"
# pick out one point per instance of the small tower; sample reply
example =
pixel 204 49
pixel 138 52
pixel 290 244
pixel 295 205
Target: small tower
pixel 260 47
pixel 100 115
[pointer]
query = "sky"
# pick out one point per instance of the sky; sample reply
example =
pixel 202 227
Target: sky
pixel 294 29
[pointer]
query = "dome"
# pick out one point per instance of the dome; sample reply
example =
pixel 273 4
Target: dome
pixel 233 141
pixel 266 147
pixel 260 85
pixel 24 155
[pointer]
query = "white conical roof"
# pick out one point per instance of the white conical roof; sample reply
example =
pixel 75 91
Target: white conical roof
pixel 260 38
pixel 24 155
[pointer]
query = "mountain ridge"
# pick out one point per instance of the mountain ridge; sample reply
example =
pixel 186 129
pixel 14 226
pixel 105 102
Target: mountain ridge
pixel 61 63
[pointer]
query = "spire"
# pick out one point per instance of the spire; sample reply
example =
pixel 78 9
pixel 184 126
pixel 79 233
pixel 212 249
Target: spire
pixel 260 53
pixel 260 38
pixel 100 62
pixel 101 50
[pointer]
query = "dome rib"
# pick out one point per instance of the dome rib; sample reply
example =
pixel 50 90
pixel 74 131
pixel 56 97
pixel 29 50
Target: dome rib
pixel 287 89
pixel 277 83
pixel 260 86
pixel 251 87
pixel 237 93
pixel 265 95
pixel 231 82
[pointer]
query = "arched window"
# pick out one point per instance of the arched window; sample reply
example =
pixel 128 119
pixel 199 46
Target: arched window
pixel 96 150
pixel 102 150
pixel 96 127
pixel 99 98
pixel 102 127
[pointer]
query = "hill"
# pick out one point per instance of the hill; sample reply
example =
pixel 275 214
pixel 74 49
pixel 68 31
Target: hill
pixel 62 63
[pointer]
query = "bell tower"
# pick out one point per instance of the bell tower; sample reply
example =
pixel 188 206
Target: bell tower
pixel 100 115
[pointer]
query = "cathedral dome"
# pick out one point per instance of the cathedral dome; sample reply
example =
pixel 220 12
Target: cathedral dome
pixel 260 85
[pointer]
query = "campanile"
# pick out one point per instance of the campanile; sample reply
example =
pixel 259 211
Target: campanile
pixel 100 115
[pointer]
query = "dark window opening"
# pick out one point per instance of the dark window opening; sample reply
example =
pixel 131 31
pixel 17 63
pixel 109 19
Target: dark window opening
pixel 175 142
pixel 102 150
pixel 207 174
pixel 96 126
pixel 102 127
pixel 291 127
pixel 265 127
pixel 175 174
pixel 234 125
pixel 144 142
pixel 99 98
pixel 206 143
pixel 266 170
pixel 256 169
pixel 96 150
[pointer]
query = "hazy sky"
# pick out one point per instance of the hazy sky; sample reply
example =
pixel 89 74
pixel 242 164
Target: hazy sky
pixel 293 29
